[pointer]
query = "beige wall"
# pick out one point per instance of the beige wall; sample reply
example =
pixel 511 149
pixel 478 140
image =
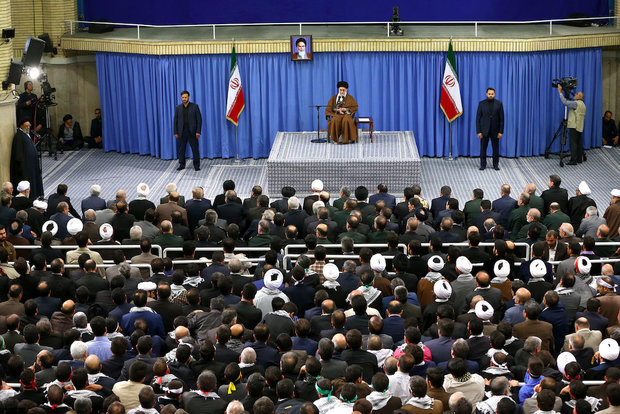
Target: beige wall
pixel 77 90
pixel 611 81
pixel 7 130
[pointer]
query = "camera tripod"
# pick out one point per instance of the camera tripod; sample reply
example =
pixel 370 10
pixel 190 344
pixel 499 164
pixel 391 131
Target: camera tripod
pixel 561 132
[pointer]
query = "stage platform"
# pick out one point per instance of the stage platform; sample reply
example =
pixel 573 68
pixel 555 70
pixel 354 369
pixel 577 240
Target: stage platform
pixel 114 171
pixel 392 158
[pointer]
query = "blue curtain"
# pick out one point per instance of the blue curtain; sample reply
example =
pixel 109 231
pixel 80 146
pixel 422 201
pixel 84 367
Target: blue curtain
pixel 399 90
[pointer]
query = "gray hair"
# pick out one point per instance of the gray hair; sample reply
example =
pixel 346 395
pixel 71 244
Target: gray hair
pixel 349 266
pixel 316 206
pixel 401 293
pixel 22 215
pixel 499 386
pixel 90 215
pixel 95 190
pixel 83 405
pixel 210 216
pixel 592 211
pixel 532 343
pixel 268 215
pixel 125 270
pixel 454 398
pixel 248 356
pixel 345 191
pixel 233 407
pixel 78 349
pixel 489 224
pixel 568 229
pixel 235 265
pixel 396 282
pixel 534 213
pixel 171 188
pixel 80 320
pixel 293 203
pixel 44 326
pixel 135 233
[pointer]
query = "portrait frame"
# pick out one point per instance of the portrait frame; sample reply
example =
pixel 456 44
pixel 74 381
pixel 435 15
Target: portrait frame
pixel 307 39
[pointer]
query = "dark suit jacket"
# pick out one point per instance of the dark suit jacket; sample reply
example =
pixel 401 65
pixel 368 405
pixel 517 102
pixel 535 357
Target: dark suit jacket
pixel 504 206
pixel 93 282
pixel 47 305
pixel 248 315
pixel 394 326
pixel 296 218
pixel 441 348
pixel 53 201
pixel 390 200
pixel 181 202
pixel 193 117
pixel 196 211
pixel 232 213
pixel 439 204
pixel 139 206
pixel 93 202
pixel 168 312
pixel 479 219
pixel 557 195
pixel 490 118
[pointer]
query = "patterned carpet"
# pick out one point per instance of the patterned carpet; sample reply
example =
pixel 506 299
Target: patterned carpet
pixel 113 171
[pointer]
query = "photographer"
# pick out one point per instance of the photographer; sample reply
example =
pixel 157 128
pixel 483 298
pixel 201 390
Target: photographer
pixel 576 116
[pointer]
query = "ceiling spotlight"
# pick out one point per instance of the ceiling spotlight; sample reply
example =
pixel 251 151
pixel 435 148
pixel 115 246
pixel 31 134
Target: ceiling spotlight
pixel 34 73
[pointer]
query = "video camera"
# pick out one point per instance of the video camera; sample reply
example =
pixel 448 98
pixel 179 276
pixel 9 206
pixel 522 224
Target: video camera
pixel 47 95
pixel 568 84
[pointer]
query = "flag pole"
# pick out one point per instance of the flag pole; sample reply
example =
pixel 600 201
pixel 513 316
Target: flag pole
pixel 450 158
pixel 237 144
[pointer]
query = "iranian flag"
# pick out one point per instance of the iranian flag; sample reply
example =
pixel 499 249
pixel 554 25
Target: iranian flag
pixel 235 102
pixel 450 91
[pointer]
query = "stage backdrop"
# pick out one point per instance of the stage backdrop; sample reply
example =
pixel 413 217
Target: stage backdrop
pixel 399 90
pixel 250 11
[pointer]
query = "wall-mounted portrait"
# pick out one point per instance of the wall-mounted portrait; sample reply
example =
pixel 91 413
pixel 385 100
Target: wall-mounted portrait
pixel 301 48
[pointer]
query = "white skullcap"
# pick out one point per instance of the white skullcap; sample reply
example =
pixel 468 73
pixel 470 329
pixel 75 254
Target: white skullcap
pixel 615 192
pixel 502 268
pixel 54 228
pixel 106 231
pixel 317 185
pixel 583 265
pixel 584 188
pixel 143 189
pixel 74 226
pixel 564 358
pixel 484 310
pixel 538 268
pixel 40 204
pixel 442 289
pixel 435 263
pixel 463 264
pixel 331 272
pixel 23 186
pixel 377 263
pixel 273 279
pixel 148 286
pixel 602 282
pixel 609 349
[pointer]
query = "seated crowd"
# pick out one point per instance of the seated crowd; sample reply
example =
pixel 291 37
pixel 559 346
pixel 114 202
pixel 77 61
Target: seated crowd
pixel 408 323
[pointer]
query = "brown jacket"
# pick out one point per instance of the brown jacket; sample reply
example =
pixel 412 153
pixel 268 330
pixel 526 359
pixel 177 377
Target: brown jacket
pixel 12 306
pixel 61 322
pixel 541 329
pixel 164 212
pixel 610 306
pixel 436 409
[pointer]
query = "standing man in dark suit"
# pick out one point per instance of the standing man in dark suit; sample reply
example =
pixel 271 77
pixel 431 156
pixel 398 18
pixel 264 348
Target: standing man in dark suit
pixel 187 127
pixel 490 125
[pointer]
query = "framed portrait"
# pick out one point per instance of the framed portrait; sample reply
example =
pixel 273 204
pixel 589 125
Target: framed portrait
pixel 301 48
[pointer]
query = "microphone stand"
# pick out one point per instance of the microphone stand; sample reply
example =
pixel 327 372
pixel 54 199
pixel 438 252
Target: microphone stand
pixel 318 139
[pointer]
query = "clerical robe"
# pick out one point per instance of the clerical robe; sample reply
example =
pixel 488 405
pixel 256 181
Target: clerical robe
pixel 342 124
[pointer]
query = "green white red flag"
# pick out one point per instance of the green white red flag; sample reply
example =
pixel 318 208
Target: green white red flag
pixel 450 102
pixel 235 102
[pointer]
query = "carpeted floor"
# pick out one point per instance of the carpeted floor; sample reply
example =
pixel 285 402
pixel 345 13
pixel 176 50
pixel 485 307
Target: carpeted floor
pixel 113 171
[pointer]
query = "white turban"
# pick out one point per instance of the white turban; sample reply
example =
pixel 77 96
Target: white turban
pixel 564 359
pixel 538 268
pixel 331 272
pixel 484 310
pixel 143 189
pixel 106 231
pixel 317 185
pixel 442 289
pixel 23 186
pixel 609 349
pixel 40 204
pixel 583 265
pixel 435 263
pixel 463 264
pixel 377 263
pixel 54 228
pixel 148 286
pixel 273 279
pixel 584 188
pixel 502 268
pixel 74 226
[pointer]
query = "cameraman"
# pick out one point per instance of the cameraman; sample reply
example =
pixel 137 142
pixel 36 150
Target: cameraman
pixel 576 117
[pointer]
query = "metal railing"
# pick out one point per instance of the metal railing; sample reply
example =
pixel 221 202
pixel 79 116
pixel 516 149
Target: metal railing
pixel 155 248
pixel 73 24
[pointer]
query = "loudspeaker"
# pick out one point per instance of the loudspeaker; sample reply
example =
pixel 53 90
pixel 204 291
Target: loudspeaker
pixel 100 28
pixel 33 52
pixel 49 47
pixel 15 73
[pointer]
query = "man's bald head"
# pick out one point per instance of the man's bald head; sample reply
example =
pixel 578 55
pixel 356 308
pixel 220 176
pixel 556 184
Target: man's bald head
pixel 339 341
pixel 375 324
pixel 236 330
pixel 92 363
pixel 68 307
pixel 475 300
pixel 523 295
pixel 355 293
pixel 181 332
pixel 483 279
